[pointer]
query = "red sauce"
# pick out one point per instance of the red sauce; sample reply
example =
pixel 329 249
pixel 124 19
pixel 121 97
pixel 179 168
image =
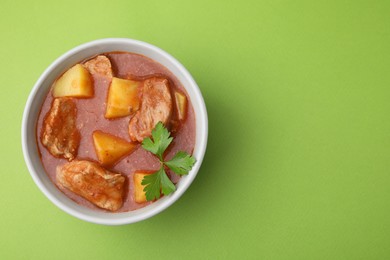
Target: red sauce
pixel 90 117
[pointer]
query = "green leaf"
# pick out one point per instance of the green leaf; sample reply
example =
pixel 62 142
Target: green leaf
pixel 161 140
pixel 156 182
pixel 152 183
pixel 148 145
pixel 181 163
pixel 166 185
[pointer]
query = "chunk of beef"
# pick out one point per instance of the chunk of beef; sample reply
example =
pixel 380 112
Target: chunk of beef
pixel 59 133
pixel 156 105
pixel 96 184
pixel 99 65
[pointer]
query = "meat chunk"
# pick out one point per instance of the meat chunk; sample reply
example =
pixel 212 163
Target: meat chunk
pixel 96 184
pixel 59 133
pixel 156 105
pixel 99 65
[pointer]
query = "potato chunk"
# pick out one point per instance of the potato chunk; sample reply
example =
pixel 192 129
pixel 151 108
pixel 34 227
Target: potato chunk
pixel 75 82
pixel 123 98
pixel 156 106
pixel 99 65
pixel 110 148
pixel 181 105
pixel 139 194
pixel 94 183
pixel 59 133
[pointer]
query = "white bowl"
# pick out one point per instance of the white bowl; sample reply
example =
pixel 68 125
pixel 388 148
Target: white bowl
pixel 37 97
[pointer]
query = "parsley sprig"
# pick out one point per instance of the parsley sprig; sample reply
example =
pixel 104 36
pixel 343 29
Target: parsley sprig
pixel 181 164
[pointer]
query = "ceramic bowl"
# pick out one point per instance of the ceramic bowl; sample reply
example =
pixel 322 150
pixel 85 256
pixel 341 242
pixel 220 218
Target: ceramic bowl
pixel 37 96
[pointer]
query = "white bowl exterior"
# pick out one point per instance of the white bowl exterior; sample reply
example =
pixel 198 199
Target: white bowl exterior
pixel 35 101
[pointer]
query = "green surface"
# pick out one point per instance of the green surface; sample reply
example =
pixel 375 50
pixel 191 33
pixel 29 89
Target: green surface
pixel 297 165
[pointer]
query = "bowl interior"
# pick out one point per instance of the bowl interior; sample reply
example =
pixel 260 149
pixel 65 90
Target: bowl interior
pixel 37 97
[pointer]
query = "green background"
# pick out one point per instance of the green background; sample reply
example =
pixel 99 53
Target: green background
pixel 297 93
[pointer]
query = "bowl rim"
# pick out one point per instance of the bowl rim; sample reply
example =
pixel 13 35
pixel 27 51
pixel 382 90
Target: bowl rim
pixel 185 182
